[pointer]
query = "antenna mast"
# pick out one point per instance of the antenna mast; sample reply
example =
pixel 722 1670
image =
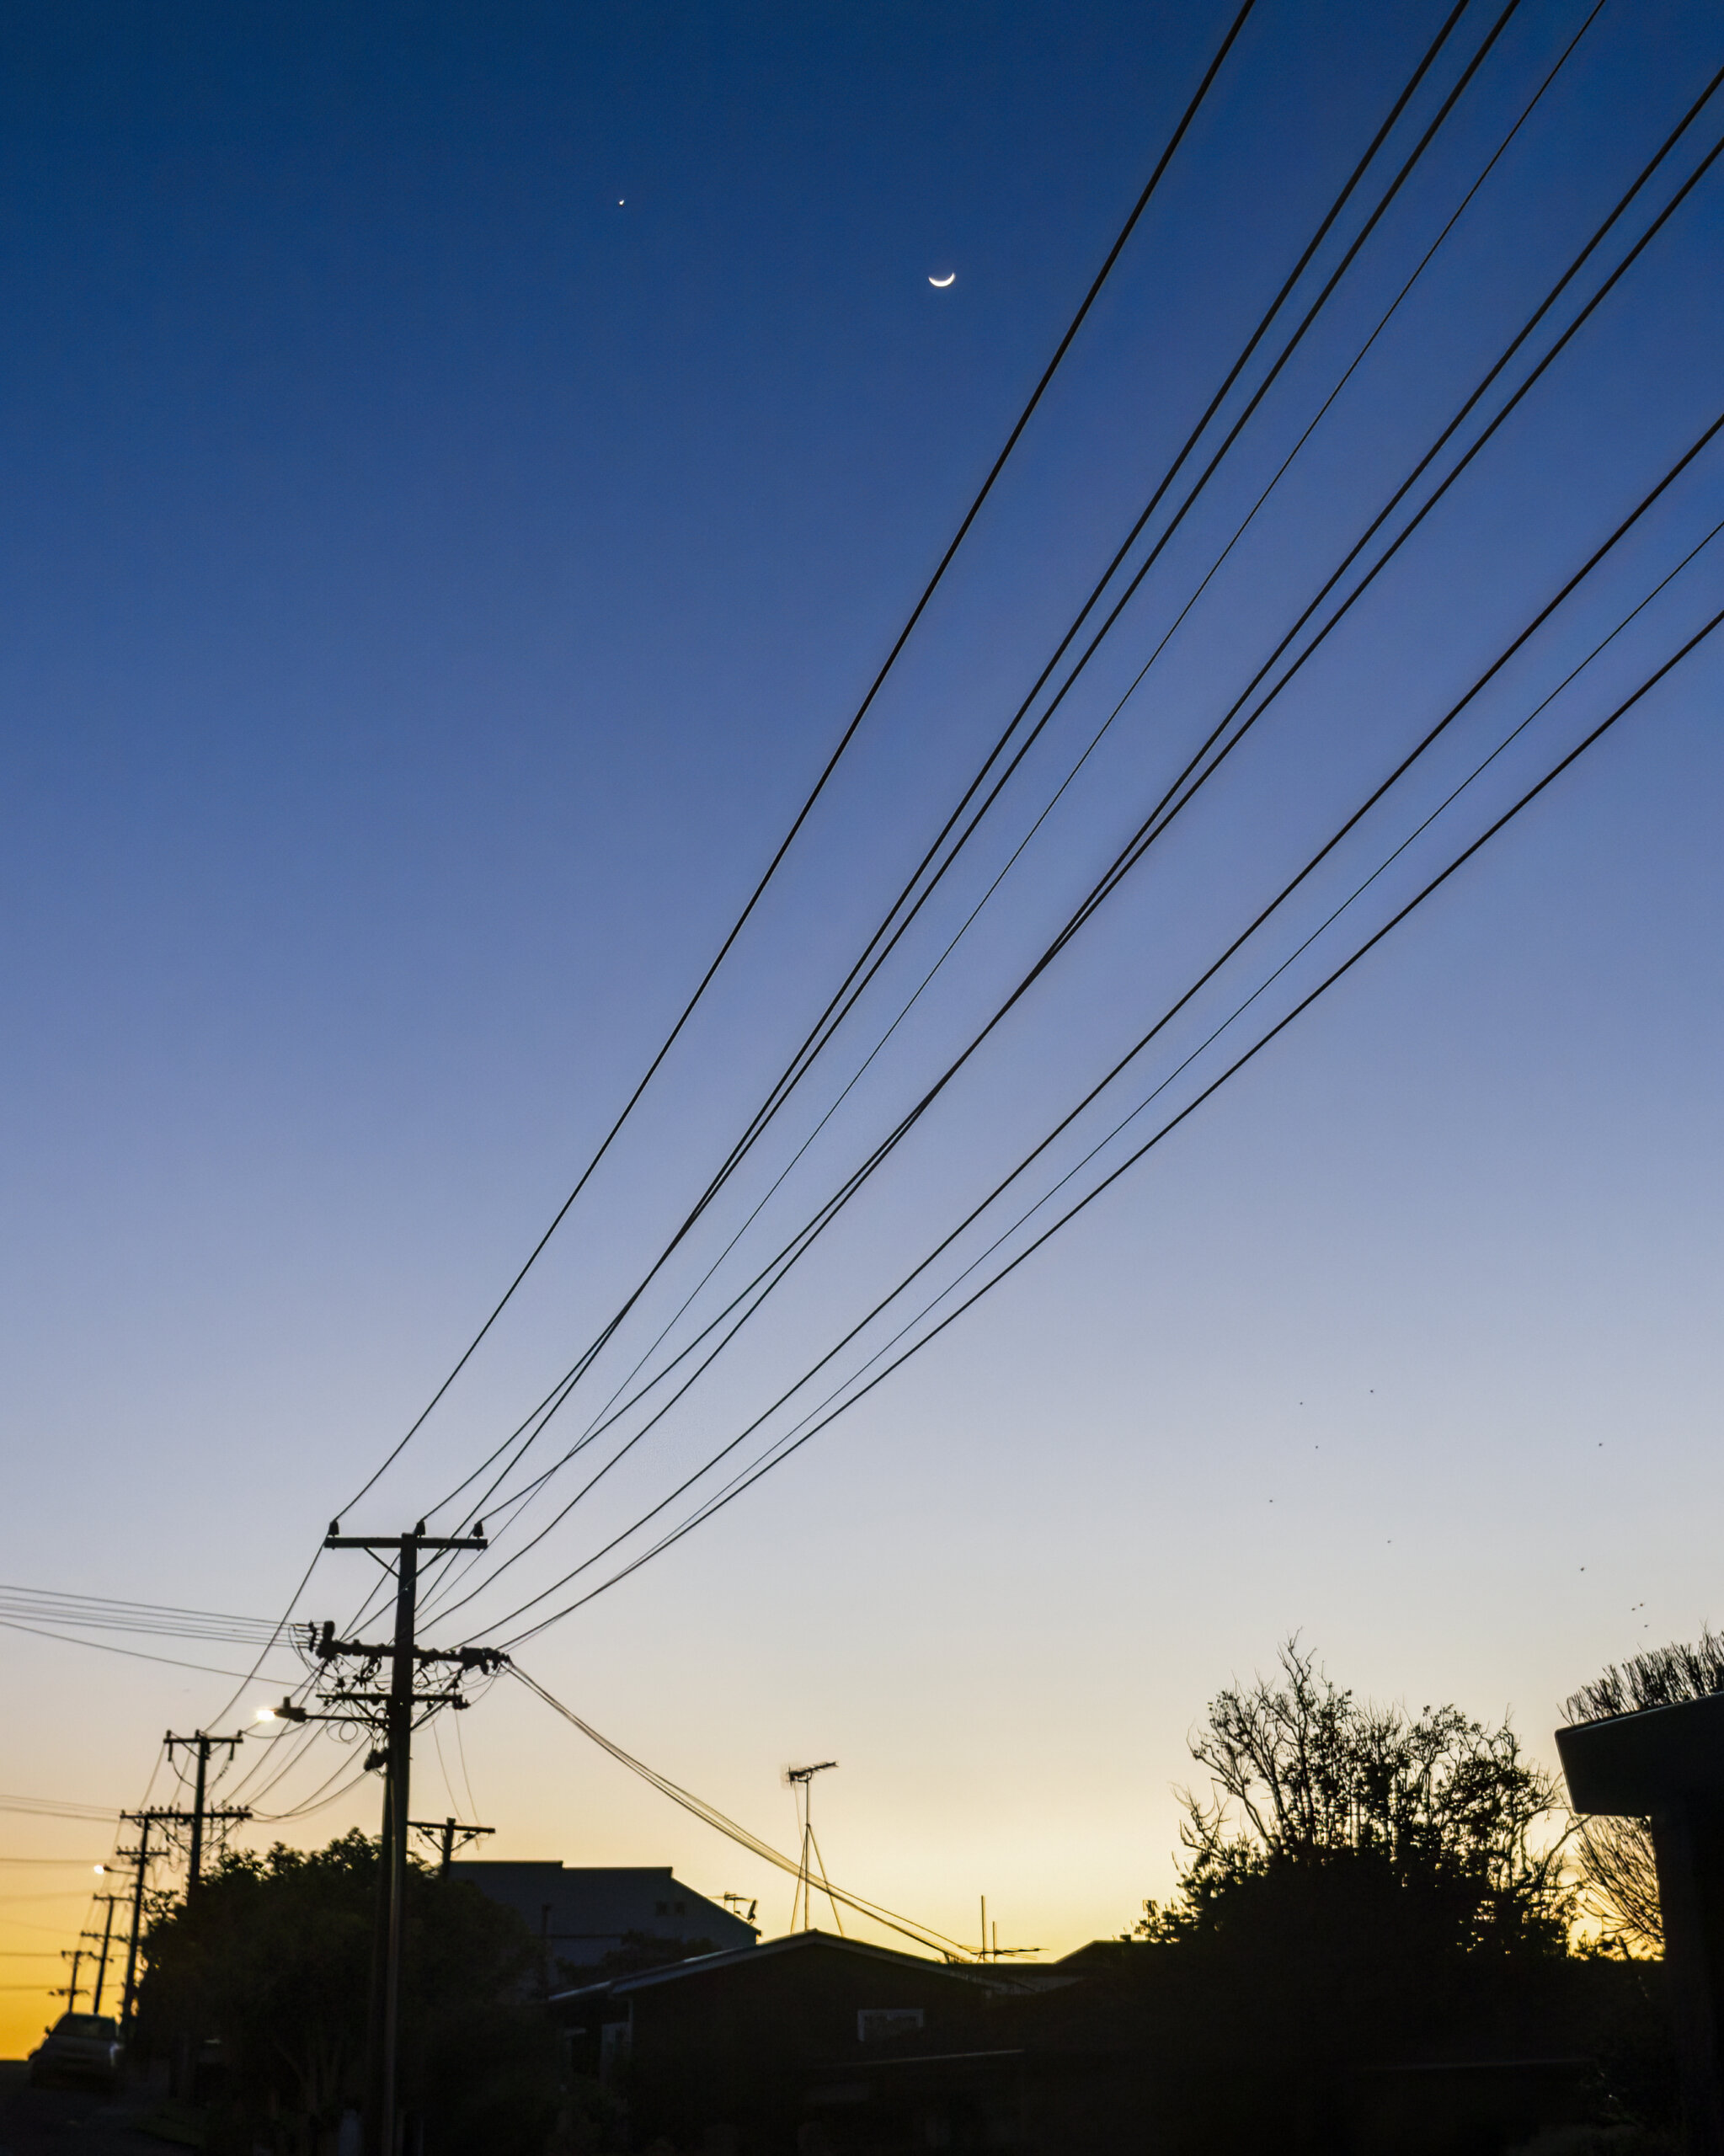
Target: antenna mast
pixel 801 1779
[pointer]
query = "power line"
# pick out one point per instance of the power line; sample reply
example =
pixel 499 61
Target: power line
pixel 1454 711
pixel 49 1807
pixel 105 1613
pixel 131 1654
pixel 1178 1070
pixel 1165 1130
pixel 923 1934
pixel 1174 800
pixel 1519 121
pixel 850 731
pixel 281 1625
pixel 489 1502
pixel 886 935
pixel 1177 802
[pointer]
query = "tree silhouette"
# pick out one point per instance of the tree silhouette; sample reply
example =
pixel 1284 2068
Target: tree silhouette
pixel 1303 1774
pixel 1614 1856
pixel 1366 1889
pixel 273 1958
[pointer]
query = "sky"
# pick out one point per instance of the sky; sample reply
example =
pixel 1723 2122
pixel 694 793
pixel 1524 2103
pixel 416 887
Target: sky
pixel 463 470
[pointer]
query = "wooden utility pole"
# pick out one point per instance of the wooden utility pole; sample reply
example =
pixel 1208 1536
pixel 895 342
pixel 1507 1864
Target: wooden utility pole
pixel 166 1816
pixel 448 1835
pixel 102 1958
pixel 176 1816
pixel 141 1856
pixel 404 1656
pixel 203 1746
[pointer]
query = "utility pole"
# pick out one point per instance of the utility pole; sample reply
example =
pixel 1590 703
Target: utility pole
pixel 404 1656
pixel 107 1939
pixel 450 1834
pixel 140 1856
pixel 168 1815
pixel 203 1746
pixel 69 1993
pixel 175 1816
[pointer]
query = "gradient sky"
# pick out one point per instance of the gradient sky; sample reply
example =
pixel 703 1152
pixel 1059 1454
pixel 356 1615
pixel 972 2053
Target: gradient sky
pixel 462 468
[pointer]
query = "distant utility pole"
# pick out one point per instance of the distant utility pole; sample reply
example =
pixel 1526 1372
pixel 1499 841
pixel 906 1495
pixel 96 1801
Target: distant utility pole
pixel 143 1821
pixel 398 1705
pixel 169 1815
pixel 69 1992
pixel 203 1746
pixel 107 1940
pixel 451 1835
pixel 201 1813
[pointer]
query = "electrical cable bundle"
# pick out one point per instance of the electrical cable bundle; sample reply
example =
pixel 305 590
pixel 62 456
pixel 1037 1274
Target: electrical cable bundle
pixel 1227 735
pixel 938 999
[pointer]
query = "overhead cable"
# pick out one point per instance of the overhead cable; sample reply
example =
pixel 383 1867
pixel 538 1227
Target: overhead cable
pixel 1273 1034
pixel 1516 644
pixel 924 1935
pixel 849 734
pixel 49 1807
pixel 917 890
pixel 1197 773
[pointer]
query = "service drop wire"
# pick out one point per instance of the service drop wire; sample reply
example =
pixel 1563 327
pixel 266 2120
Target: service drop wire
pixel 1383 787
pixel 251 1676
pixel 1132 1160
pixel 1172 802
pixel 320 1804
pixel 487 1504
pixel 294 1743
pixel 1177 137
pixel 923 1934
pixel 343 1766
pixel 852 986
pixel 466 1778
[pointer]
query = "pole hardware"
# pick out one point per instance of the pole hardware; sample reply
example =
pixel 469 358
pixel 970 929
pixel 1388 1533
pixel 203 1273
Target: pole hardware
pixel 203 1745
pixel 450 1835
pixel 394 1712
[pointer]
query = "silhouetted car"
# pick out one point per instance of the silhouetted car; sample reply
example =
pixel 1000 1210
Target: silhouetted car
pixel 78 2047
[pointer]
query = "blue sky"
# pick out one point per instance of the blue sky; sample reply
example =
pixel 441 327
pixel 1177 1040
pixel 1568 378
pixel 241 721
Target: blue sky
pixel 463 470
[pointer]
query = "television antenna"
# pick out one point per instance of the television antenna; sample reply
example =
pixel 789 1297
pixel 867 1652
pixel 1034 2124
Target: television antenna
pixel 992 1951
pixel 801 1780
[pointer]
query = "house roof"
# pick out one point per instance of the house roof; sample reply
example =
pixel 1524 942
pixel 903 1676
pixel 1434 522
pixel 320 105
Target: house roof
pixel 992 1978
pixel 595 1907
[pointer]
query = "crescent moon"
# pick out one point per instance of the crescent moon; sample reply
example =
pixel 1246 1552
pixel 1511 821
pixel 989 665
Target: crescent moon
pixel 940 283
